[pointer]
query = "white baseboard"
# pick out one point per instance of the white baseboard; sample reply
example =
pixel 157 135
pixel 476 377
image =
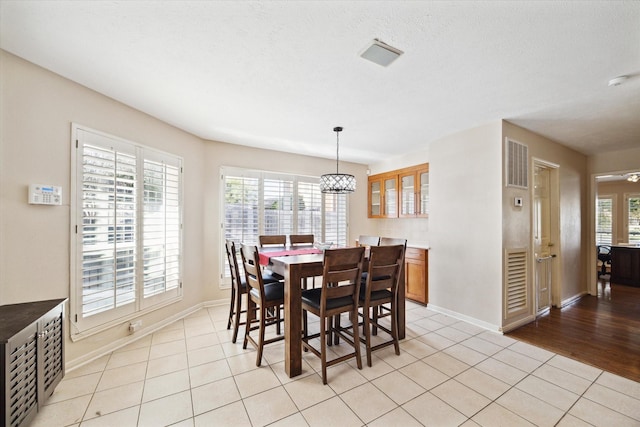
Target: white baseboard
pixel 517 324
pixel 468 319
pixel 70 365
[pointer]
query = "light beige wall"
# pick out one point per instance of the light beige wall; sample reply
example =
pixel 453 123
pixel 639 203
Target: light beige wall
pixel 573 244
pixel 218 154
pixel 37 109
pixel 618 189
pixel 465 225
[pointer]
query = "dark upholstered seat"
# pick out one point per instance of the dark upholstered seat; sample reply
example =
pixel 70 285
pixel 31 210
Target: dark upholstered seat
pixel 342 269
pixel 265 299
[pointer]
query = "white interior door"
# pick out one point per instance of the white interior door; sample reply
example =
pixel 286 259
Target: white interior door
pixel 542 241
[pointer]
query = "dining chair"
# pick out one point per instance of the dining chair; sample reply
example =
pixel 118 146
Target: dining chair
pixel 385 310
pixel 238 288
pixel 381 287
pixel 368 240
pixel 301 239
pixel 339 293
pixel 392 241
pixel 267 298
pixel 272 240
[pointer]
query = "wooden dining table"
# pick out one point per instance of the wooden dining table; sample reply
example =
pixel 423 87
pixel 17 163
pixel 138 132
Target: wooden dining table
pixel 294 267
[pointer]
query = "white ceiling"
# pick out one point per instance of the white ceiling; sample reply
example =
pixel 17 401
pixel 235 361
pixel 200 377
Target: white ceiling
pixel 281 75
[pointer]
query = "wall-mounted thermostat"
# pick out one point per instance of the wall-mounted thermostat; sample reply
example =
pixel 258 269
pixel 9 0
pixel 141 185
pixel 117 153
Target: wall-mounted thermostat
pixel 517 202
pixel 45 194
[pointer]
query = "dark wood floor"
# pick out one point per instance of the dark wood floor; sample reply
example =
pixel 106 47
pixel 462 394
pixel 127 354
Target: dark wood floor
pixel 601 331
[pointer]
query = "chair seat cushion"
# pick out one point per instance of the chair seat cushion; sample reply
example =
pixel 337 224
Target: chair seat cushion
pixel 375 295
pixel 272 291
pixel 365 275
pixel 266 278
pixel 312 298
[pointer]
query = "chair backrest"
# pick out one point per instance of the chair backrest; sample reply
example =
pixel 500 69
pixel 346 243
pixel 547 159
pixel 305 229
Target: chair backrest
pixel 273 240
pixel 301 239
pixel 604 253
pixel 342 272
pixel 392 241
pixel 368 240
pixel 230 247
pixel 385 264
pixel 251 263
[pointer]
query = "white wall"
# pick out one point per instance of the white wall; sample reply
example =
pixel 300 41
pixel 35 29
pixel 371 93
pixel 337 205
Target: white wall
pixel 573 245
pixel 37 108
pixel 465 225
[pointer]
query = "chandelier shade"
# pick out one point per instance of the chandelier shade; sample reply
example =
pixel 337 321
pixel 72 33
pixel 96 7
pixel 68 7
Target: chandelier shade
pixel 337 183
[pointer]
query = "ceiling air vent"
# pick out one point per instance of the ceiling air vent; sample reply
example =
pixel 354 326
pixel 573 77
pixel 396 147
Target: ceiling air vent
pixel 517 164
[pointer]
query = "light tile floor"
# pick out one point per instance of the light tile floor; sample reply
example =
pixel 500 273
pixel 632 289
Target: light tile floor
pixel 449 373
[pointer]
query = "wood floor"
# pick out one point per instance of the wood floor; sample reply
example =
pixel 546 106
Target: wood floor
pixel 601 331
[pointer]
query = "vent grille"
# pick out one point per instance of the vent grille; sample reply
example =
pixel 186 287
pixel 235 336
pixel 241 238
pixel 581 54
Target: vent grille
pixel 53 363
pixel 516 281
pixel 517 164
pixel 23 389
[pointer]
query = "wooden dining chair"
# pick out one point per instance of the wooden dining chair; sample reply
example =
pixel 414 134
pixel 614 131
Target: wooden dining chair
pixel 385 310
pixel 381 287
pixel 272 240
pixel 301 239
pixel 238 288
pixel 265 298
pixel 368 240
pixel 342 269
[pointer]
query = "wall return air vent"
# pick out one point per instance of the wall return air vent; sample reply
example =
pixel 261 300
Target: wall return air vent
pixel 517 164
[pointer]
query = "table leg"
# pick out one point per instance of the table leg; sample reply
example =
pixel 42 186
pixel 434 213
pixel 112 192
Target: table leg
pixel 293 321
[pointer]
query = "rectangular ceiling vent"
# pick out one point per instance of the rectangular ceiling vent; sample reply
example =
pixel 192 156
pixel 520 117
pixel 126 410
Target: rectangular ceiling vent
pixel 515 291
pixel 517 167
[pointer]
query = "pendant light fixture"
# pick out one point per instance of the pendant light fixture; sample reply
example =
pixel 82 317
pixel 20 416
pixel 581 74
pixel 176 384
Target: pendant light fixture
pixel 337 183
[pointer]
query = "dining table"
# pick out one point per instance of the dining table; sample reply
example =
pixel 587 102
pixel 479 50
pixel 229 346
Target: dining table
pixel 295 264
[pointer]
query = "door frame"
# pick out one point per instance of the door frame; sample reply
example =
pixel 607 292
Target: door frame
pixel 554 232
pixel 592 264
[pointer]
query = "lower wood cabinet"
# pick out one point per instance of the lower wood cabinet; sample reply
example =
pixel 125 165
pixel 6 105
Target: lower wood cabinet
pixel 416 275
pixel 31 357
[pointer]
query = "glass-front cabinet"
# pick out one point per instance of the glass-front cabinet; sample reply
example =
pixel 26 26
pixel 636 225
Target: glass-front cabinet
pixel 414 191
pixel 383 196
pixel 401 193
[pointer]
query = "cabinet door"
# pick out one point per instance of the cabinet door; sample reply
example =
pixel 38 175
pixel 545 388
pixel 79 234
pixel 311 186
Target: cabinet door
pixel 423 193
pixel 21 399
pixel 50 352
pixel 375 198
pixel 407 194
pixel 416 263
pixel 391 197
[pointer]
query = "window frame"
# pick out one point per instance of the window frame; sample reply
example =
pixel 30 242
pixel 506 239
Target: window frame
pixel 260 175
pixel 627 219
pixel 83 326
pixel 613 198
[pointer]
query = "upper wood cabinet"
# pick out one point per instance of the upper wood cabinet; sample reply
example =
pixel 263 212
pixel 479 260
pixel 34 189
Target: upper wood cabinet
pixel 383 196
pixel 401 193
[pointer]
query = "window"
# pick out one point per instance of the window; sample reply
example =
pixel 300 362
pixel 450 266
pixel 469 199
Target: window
pixel 604 219
pixel 127 236
pixel 632 219
pixel 257 202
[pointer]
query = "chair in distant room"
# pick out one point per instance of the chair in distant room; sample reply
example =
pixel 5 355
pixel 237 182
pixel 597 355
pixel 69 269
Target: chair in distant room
pixel 238 288
pixel 267 299
pixel 381 287
pixel 272 240
pixel 339 293
pixel 604 256
pixel 301 239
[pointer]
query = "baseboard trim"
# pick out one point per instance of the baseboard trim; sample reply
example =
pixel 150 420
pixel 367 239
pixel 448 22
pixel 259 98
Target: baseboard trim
pixel 472 320
pixel 78 362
